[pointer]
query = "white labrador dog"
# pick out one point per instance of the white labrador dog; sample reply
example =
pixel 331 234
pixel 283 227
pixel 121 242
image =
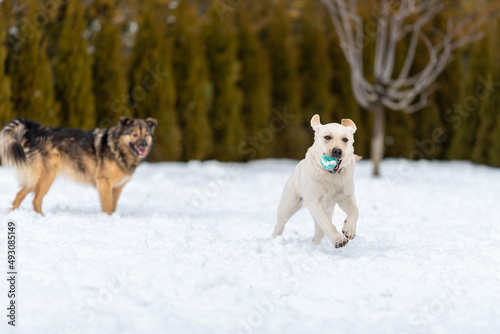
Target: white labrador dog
pixel 322 180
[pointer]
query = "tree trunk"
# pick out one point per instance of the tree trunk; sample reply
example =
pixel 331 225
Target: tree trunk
pixel 378 138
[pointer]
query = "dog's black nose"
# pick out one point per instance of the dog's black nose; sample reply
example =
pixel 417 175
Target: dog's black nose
pixel 336 153
pixel 143 144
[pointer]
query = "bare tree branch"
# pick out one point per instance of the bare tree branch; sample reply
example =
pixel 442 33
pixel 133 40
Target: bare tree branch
pixel 401 92
pixel 380 47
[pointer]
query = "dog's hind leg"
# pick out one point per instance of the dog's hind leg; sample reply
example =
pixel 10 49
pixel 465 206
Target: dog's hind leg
pixel 318 236
pixel 285 212
pixel 290 203
pixel 42 187
pixel 21 195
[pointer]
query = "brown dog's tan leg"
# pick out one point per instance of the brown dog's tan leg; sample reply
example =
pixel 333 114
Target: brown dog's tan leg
pixel 116 195
pixel 21 195
pixel 106 195
pixel 41 189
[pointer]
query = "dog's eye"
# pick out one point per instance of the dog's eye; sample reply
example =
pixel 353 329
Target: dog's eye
pixel 345 140
pixel 328 137
pixel 134 135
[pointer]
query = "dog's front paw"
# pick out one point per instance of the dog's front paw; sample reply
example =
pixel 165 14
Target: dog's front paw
pixel 349 231
pixel 341 242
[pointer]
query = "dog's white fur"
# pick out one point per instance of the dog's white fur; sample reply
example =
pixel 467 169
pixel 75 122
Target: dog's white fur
pixel 314 187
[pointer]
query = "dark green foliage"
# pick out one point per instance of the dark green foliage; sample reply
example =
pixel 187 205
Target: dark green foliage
pixel 5 88
pixel 493 151
pixel 31 75
pixel 232 82
pixel 145 59
pixel 429 133
pixel 292 132
pixel 225 69
pixel 109 69
pixel 399 139
pixel 256 87
pixel 467 111
pixel 194 90
pixel 152 86
pixel 484 92
pixel 314 65
pixel 168 135
pixel 449 95
pixel 73 71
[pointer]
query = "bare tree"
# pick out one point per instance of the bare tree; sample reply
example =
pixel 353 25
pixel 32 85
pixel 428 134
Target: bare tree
pixel 401 91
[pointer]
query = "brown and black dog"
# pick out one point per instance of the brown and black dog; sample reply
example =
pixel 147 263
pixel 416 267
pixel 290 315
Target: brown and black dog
pixel 102 158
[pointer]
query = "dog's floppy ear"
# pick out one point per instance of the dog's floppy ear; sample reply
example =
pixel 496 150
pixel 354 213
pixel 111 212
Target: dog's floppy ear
pixel 315 123
pixel 349 124
pixel 125 121
pixel 152 123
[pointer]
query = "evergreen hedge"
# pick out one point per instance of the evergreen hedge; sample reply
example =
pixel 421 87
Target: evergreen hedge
pixel 236 82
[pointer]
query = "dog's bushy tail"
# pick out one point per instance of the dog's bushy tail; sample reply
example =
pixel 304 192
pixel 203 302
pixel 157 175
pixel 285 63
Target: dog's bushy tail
pixel 11 137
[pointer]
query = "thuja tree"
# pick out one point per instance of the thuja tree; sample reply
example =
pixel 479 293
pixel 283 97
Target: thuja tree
pixel 109 68
pixel 194 90
pixel 5 103
pixel 31 75
pixel 484 77
pixel 152 85
pixel 494 149
pixel 255 84
pixel 225 70
pixel 73 70
pixel 314 65
pixel 291 133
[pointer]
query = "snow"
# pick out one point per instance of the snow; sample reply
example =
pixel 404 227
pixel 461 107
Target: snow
pixel 189 251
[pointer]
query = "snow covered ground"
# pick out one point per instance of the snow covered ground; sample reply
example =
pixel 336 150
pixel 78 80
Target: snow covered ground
pixel 189 251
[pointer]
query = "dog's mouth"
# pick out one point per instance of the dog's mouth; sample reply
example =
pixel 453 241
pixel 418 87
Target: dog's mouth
pixel 337 167
pixel 141 151
pixel 330 164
